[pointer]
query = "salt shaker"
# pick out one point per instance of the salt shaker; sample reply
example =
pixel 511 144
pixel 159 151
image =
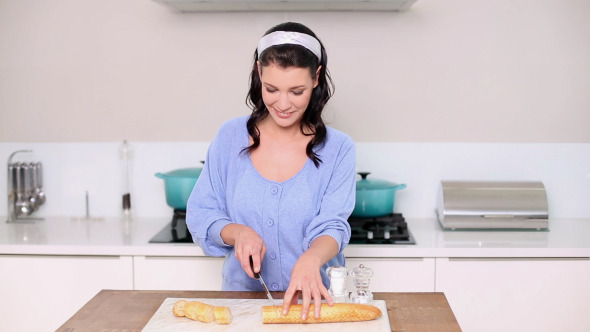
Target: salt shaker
pixel 361 278
pixel 337 289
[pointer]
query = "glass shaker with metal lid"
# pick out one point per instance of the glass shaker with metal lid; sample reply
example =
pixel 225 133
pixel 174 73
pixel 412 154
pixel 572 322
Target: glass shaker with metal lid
pixel 361 278
pixel 337 289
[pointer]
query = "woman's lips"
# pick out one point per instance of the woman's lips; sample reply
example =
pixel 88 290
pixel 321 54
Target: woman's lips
pixel 283 115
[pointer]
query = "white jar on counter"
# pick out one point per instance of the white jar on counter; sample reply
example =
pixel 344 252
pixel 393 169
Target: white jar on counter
pixel 338 290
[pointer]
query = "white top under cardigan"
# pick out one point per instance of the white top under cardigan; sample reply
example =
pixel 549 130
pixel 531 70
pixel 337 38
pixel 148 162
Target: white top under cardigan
pixel 287 215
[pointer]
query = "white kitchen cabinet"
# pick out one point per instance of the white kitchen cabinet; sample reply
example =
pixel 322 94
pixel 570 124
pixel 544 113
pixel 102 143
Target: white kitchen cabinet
pixel 204 273
pixel 39 293
pixel 177 273
pixel 517 294
pixel 397 274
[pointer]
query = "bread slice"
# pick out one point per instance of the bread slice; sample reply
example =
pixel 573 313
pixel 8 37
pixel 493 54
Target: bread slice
pixel 202 312
pixel 199 311
pixel 222 315
pixel 340 312
pixel 178 309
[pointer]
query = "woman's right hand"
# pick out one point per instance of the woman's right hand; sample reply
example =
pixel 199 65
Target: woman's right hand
pixel 246 243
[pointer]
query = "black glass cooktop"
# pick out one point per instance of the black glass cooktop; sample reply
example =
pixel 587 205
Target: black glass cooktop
pixel 174 232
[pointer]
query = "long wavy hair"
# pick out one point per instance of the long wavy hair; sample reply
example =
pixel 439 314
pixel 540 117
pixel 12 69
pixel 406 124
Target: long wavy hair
pixel 291 55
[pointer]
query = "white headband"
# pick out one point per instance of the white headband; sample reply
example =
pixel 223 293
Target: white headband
pixel 290 37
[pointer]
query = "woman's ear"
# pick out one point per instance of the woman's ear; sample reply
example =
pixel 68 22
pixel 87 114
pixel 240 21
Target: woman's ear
pixel 317 77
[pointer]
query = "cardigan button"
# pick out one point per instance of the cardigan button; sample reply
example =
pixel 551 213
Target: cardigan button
pixel 274 190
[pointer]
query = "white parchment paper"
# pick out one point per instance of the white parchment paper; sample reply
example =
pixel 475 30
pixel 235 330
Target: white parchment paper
pixel 247 316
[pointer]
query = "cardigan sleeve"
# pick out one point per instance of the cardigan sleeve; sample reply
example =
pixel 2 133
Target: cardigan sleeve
pixel 338 199
pixel 206 210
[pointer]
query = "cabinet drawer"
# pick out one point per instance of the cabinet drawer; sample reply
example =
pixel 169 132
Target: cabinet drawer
pixel 517 294
pixel 177 273
pixel 39 293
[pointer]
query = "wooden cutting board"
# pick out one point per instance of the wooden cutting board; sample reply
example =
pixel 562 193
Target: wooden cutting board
pixel 247 316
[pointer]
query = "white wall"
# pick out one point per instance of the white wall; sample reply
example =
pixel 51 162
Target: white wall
pixel 71 169
pixel 445 71
pixel 453 89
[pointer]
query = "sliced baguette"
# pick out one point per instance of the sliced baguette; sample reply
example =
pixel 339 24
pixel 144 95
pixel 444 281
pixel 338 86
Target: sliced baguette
pixel 178 309
pixel 222 315
pixel 199 311
pixel 202 312
pixel 340 312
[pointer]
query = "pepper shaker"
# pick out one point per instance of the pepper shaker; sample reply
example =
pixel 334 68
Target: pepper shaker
pixel 361 277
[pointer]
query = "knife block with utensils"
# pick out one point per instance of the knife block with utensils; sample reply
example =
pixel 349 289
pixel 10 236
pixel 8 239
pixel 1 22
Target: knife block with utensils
pixel 25 189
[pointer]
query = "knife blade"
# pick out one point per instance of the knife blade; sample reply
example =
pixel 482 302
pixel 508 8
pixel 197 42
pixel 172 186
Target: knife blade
pixel 258 276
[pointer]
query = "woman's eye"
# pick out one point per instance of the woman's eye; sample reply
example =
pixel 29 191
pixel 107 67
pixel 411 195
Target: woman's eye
pixel 298 93
pixel 269 90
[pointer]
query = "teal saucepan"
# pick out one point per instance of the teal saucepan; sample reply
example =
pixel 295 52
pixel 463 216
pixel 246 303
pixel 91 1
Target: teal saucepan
pixel 179 185
pixel 374 197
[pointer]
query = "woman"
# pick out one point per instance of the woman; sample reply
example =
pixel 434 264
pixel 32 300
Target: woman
pixel 278 186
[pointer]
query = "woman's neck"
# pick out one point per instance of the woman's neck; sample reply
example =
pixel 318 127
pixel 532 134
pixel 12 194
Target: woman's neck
pixel 272 131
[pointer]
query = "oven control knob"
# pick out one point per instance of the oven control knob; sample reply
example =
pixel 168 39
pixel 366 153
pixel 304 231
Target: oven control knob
pixel 369 235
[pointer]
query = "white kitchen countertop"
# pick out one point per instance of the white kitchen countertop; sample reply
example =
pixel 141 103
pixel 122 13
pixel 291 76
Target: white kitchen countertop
pixel 113 237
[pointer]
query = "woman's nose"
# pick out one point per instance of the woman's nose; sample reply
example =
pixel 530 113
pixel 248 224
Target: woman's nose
pixel 283 103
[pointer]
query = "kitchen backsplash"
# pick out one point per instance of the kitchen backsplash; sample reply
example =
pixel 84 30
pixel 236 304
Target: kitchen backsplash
pixel 73 169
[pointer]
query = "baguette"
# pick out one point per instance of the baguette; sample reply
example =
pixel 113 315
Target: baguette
pixel 178 309
pixel 202 312
pixel 199 311
pixel 340 312
pixel 222 315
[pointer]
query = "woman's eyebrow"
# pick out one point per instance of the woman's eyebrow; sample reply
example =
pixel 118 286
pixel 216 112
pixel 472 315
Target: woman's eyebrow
pixel 291 88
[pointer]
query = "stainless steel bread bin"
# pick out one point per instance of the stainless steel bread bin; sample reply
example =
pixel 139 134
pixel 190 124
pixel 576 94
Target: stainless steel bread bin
pixel 464 205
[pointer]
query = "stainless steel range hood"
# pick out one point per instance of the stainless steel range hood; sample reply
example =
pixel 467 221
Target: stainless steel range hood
pixel 286 5
pixel 492 205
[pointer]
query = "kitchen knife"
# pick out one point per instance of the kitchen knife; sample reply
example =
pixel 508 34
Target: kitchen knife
pixel 258 276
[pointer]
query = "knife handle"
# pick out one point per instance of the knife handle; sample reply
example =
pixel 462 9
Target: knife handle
pixel 256 274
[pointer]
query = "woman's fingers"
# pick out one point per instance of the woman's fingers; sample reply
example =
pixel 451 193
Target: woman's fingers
pixel 327 296
pixel 305 302
pixel 308 293
pixel 248 244
pixel 290 298
pixel 317 300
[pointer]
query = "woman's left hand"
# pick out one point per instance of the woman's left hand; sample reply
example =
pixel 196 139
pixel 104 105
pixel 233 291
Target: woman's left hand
pixel 306 281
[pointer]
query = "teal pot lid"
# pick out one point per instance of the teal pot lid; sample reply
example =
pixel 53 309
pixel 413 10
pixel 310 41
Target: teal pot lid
pixel 375 184
pixel 191 172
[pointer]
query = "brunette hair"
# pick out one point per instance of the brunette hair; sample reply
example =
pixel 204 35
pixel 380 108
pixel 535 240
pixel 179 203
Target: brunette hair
pixel 292 55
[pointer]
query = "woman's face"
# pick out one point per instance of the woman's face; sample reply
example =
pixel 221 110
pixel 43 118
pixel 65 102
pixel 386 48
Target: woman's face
pixel 286 92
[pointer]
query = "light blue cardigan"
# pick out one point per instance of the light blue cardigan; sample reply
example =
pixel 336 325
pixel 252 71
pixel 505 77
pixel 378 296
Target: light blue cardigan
pixel 287 215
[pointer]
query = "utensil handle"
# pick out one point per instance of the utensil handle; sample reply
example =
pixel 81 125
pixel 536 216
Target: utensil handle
pixel 11 179
pixel 256 274
pixel 39 175
pixel 27 178
pixel 19 180
pixel 34 180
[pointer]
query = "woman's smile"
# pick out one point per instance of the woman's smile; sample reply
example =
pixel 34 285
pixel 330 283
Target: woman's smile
pixel 284 115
